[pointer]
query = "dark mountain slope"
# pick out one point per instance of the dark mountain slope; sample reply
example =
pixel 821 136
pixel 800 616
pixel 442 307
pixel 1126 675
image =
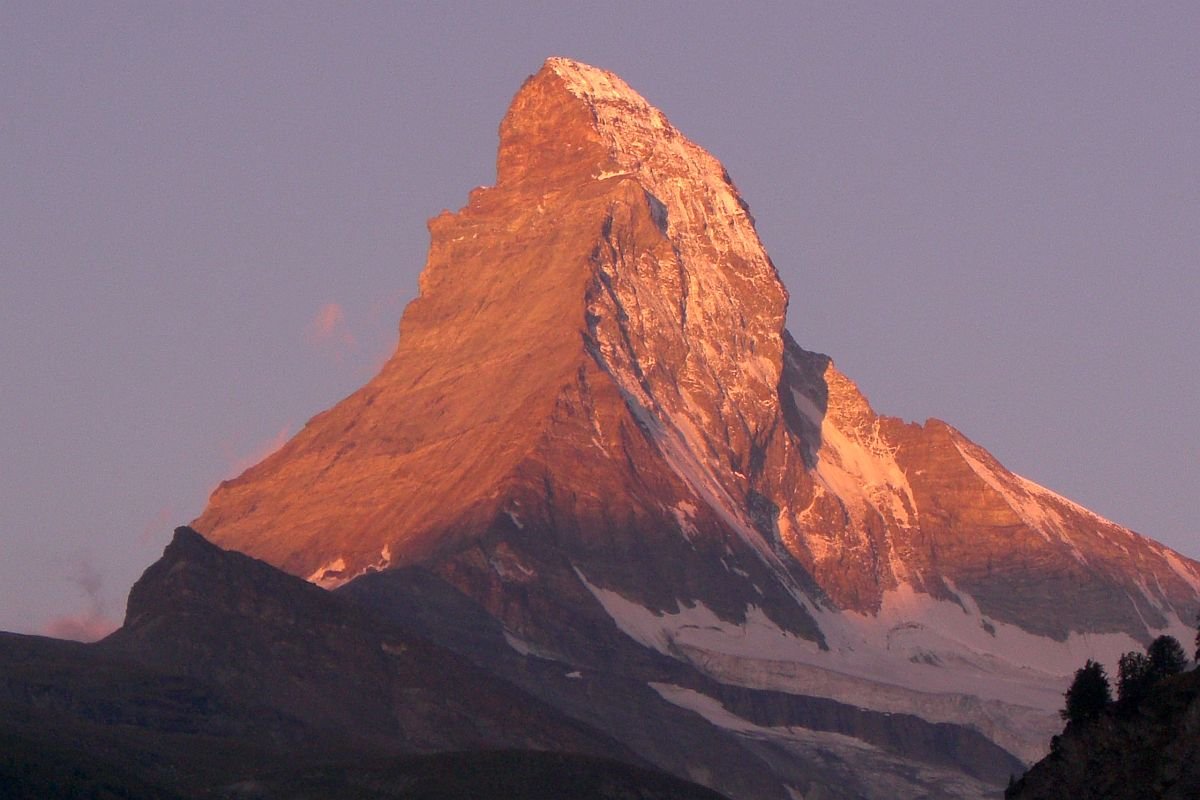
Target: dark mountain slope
pixel 1147 752
pixel 228 670
pixel 612 692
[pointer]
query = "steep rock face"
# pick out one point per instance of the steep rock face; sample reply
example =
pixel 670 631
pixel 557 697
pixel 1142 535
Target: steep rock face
pixel 607 305
pixel 900 504
pixel 595 421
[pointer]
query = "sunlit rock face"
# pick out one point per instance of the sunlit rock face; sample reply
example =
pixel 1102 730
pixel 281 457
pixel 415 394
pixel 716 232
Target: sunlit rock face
pixel 595 418
pixel 595 354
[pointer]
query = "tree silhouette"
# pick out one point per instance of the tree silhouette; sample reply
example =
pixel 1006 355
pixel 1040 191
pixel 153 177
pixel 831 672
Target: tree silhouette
pixel 1133 677
pixel 1166 658
pixel 1089 694
pixel 1137 672
pixel 1198 635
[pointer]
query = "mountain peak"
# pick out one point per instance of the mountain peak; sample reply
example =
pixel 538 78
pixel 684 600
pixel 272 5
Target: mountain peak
pixel 612 132
pixel 596 372
pixel 594 84
pixel 595 425
pixel 611 252
pixel 572 119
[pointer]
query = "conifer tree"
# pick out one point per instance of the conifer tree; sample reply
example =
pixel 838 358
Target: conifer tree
pixel 1166 658
pixel 1089 694
pixel 1133 677
pixel 1137 672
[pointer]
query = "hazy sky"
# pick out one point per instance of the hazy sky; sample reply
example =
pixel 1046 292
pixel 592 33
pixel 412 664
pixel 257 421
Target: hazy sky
pixel 212 216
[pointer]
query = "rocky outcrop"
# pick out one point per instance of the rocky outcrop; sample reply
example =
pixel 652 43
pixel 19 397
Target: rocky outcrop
pixel 921 505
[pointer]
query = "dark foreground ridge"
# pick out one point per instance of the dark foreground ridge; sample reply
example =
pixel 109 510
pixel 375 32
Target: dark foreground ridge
pixel 228 673
pixel 1145 751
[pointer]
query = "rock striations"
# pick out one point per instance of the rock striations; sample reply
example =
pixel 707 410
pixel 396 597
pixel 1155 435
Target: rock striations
pixel 596 422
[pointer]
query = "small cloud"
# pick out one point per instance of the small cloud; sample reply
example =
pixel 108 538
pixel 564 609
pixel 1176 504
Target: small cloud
pixel 93 622
pixel 329 331
pixel 330 320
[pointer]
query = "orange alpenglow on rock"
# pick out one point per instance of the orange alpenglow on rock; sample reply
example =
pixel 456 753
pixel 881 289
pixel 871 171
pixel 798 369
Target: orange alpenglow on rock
pixel 594 412
pixel 612 279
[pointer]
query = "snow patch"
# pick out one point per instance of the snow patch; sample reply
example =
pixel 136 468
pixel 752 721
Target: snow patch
pixel 1046 494
pixel 697 625
pixel 596 85
pixel 996 659
pixel 685 514
pixel 1185 571
pixel 334 573
pixel 924 656
pixel 520 645
pixel 866 768
pixel 707 707
pixel 680 445
pixel 808 408
pixel 1020 497
pixel 679 442
pixel 330 575
pixel 860 468
pixel 527 648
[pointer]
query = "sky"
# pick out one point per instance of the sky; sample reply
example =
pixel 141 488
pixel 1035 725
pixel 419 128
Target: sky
pixel 212 216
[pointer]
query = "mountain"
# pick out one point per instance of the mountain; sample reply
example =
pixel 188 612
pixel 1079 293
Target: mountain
pixel 1140 751
pixel 597 441
pixel 230 678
